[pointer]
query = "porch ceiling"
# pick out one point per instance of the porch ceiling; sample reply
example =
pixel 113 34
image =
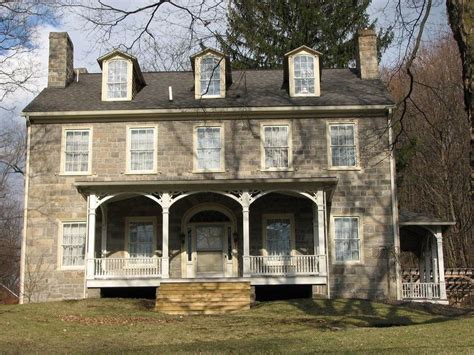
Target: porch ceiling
pixel 274 184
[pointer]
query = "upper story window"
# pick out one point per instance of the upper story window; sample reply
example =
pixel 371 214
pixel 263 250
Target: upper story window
pixel 77 144
pixel 343 149
pixel 304 74
pixel 210 78
pixel 73 244
pixel 209 149
pixel 346 239
pixel 117 79
pixel 141 150
pixel 276 147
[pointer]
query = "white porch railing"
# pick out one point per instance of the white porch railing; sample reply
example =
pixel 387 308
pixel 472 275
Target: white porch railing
pixel 420 290
pixel 110 268
pixel 285 265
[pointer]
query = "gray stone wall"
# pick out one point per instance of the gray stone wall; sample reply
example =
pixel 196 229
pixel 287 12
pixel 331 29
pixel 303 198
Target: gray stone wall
pixel 52 197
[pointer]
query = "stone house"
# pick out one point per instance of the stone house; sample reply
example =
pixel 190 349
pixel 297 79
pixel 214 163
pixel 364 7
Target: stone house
pixel 213 179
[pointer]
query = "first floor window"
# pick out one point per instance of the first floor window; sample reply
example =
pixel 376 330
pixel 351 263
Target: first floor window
pixel 141 239
pixel 278 236
pixel 343 146
pixel 209 148
pixel 276 147
pixel 346 238
pixel 73 244
pixel 76 150
pixel 142 149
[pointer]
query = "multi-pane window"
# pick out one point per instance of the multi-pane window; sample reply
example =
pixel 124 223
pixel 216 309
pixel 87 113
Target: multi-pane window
pixel 276 147
pixel 140 239
pixel 208 148
pixel 117 79
pixel 76 151
pixel 73 244
pixel 304 74
pixel 343 145
pixel 210 78
pixel 346 238
pixel 278 236
pixel 142 149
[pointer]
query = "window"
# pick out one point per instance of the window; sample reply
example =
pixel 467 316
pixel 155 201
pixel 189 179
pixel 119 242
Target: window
pixel 343 146
pixel 210 78
pixel 209 152
pixel 304 74
pixel 142 142
pixel 117 79
pixel 141 239
pixel 77 151
pixel 346 239
pixel 278 235
pixel 73 244
pixel 277 152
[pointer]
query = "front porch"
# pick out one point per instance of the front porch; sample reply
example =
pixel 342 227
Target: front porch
pixel 270 236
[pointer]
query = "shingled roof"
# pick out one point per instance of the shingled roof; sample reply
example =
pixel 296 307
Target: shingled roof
pixel 250 88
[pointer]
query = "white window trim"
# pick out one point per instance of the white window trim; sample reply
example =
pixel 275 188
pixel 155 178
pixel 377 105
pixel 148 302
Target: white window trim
pixel 129 220
pixel 195 145
pixel 197 77
pixel 290 146
pixel 333 240
pixel 105 71
pixel 63 151
pixel 60 265
pixel 291 74
pixel 356 167
pixel 266 217
pixel 128 159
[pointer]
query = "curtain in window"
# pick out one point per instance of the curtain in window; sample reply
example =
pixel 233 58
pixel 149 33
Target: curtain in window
pixel 346 238
pixel 117 79
pixel 142 149
pixel 210 76
pixel 74 238
pixel 77 151
pixel 278 237
pixel 304 74
pixel 140 239
pixel 276 147
pixel 209 148
pixel 343 145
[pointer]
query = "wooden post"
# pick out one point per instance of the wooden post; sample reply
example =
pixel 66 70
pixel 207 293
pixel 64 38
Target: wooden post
pixel 442 282
pixel 165 205
pixel 246 233
pixel 321 207
pixel 103 240
pixel 91 214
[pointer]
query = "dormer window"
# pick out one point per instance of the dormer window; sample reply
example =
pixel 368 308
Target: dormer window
pixel 117 79
pixel 302 72
pixel 211 74
pixel 122 78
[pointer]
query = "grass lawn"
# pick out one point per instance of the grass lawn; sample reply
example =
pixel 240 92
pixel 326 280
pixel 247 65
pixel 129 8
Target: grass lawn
pixel 118 325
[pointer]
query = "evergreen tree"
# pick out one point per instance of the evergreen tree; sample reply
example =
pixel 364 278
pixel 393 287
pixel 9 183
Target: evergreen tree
pixel 260 32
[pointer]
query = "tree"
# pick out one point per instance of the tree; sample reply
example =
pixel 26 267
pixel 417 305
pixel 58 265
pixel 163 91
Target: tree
pixel 259 33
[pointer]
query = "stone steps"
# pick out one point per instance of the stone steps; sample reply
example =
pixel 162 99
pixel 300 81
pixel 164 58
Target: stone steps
pixel 203 297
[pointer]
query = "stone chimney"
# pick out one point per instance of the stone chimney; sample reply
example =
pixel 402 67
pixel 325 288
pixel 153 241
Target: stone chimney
pixel 61 61
pixel 366 56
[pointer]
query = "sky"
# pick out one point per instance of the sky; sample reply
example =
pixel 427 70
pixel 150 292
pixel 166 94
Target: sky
pixel 87 48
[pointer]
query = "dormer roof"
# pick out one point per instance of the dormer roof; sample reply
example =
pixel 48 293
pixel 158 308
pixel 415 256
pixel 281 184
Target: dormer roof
pixel 303 48
pixel 118 53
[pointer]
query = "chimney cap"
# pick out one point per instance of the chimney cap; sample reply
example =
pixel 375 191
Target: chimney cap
pixel 366 32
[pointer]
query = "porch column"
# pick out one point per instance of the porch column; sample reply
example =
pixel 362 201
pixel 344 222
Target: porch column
pixel 246 234
pixel 434 258
pixel 91 209
pixel 165 260
pixel 321 231
pixel 103 239
pixel 442 282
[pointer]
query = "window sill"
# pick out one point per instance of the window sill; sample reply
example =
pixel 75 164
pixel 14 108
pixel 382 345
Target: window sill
pixel 347 263
pixel 211 97
pixel 304 95
pixel 72 268
pixel 86 173
pixel 118 99
pixel 154 172
pixel 208 171
pixel 278 170
pixel 345 168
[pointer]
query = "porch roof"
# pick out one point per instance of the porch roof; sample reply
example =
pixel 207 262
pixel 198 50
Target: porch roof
pixel 327 183
pixel 408 218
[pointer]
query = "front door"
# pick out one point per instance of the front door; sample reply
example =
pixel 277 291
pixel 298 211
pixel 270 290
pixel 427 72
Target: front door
pixel 210 250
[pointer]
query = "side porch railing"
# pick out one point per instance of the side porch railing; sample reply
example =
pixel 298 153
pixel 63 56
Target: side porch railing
pixel 420 290
pixel 286 265
pixel 122 268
